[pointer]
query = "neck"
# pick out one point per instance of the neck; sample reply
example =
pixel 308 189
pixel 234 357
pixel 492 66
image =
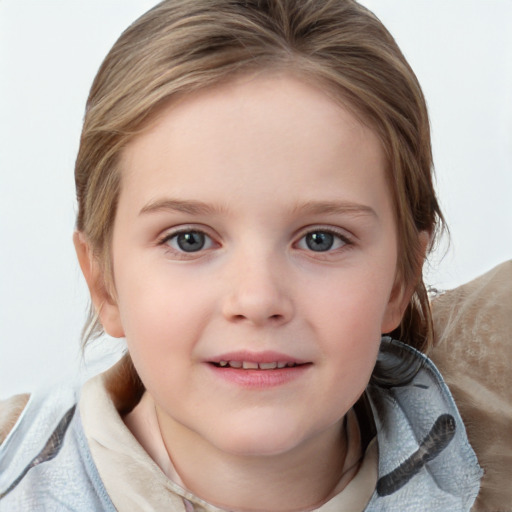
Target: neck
pixel 300 479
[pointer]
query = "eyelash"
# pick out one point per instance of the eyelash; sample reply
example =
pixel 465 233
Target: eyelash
pixel 346 241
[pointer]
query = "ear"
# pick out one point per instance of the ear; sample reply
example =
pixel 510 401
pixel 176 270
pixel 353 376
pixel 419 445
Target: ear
pixel 402 292
pixel 103 302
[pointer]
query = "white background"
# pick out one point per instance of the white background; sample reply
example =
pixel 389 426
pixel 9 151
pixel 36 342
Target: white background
pixel 50 50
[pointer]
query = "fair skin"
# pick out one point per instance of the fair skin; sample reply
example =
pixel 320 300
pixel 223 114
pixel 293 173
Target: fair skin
pixel 254 225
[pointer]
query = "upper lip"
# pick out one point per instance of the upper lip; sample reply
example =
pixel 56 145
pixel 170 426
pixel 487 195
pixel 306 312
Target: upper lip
pixel 257 357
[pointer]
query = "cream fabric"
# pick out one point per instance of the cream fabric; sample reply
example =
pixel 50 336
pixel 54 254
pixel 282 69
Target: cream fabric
pixel 122 463
pixel 473 351
pixel 135 482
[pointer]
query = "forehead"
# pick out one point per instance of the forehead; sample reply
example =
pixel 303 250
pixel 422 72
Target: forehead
pixel 270 130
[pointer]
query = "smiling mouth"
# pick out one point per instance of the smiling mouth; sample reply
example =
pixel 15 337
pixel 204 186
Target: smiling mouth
pixel 251 365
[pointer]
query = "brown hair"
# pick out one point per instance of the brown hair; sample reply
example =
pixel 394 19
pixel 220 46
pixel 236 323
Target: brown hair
pixel 181 46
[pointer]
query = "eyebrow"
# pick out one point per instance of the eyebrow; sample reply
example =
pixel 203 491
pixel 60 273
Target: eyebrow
pixel 335 208
pixel 191 207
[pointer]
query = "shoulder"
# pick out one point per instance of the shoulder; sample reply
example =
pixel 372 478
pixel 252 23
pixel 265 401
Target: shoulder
pixel 45 459
pixel 10 411
pixel 473 351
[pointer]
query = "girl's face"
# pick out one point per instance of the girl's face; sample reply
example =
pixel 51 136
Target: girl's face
pixel 254 257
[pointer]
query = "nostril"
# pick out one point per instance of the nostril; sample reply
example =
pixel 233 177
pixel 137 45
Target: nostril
pixel 272 318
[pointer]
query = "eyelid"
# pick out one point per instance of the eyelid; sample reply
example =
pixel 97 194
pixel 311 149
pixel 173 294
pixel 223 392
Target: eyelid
pixel 345 235
pixel 171 231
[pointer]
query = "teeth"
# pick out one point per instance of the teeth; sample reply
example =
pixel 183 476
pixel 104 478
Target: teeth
pixel 267 366
pixel 251 365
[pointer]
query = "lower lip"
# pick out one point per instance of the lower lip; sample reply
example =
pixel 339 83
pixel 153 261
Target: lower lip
pixel 259 378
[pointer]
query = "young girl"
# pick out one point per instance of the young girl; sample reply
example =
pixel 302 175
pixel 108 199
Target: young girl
pixel 255 203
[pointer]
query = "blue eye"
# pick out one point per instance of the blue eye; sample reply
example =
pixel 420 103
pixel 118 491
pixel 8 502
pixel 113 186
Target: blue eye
pixel 319 241
pixel 189 241
pixel 322 241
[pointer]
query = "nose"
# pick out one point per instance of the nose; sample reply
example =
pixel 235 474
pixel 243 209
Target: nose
pixel 258 292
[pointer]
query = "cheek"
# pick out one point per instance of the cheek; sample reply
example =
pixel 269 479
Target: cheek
pixel 161 314
pixel 352 302
pixel 161 330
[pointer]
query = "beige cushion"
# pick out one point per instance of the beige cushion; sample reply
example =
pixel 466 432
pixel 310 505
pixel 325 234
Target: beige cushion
pixel 473 351
pixel 10 410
